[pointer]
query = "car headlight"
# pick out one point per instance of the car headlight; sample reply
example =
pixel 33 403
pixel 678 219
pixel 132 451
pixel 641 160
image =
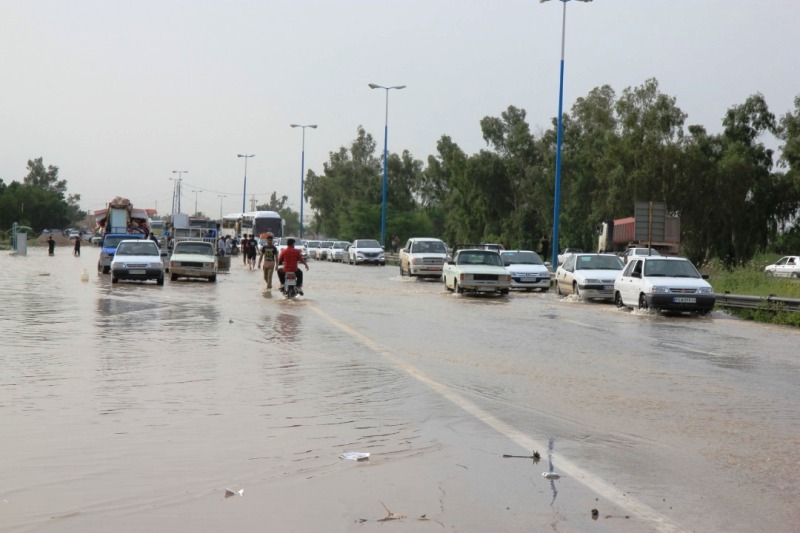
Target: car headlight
pixel 208 265
pixel 656 289
pixel 155 265
pixel 705 290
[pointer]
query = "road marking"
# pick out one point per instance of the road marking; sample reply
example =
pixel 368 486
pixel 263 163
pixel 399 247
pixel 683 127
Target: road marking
pixel 589 480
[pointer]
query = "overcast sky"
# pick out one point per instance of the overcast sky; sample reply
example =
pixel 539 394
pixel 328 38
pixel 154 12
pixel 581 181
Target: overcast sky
pixel 118 94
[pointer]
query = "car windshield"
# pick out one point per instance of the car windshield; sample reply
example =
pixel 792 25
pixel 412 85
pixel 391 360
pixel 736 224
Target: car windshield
pixel 428 247
pixel 326 244
pixel 521 258
pixel 479 258
pixel 645 251
pixel 598 262
pixel 670 268
pixel 138 248
pixel 312 244
pixel 113 242
pixel 340 244
pixel 368 243
pixel 198 248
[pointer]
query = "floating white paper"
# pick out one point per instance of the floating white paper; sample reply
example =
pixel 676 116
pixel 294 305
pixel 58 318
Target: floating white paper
pixel 551 475
pixel 231 492
pixel 355 456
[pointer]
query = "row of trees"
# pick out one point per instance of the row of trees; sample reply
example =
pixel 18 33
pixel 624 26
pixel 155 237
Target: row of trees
pixel 617 149
pixel 40 201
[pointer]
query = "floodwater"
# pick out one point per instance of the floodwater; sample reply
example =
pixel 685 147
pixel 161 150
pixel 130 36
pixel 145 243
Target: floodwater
pixel 134 407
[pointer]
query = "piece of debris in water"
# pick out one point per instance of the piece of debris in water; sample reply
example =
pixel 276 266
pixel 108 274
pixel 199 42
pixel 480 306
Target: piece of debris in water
pixel 390 515
pixel 551 475
pixel 231 492
pixel 595 514
pixel 355 456
pixel 535 456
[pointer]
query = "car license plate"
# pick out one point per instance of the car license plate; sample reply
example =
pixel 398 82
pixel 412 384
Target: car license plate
pixel 608 287
pixel 137 272
pixel 684 300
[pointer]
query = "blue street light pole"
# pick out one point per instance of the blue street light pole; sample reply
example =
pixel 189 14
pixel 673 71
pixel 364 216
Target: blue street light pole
pixel 556 211
pixel 244 192
pixel 385 156
pixel 302 171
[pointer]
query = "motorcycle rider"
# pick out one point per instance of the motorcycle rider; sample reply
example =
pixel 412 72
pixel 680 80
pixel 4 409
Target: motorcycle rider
pixel 289 258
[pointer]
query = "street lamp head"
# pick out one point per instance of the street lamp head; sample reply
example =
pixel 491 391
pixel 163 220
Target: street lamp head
pixel 398 87
pixel 375 86
pixel 245 155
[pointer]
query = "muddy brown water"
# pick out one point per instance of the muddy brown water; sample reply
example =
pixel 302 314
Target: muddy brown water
pixel 133 407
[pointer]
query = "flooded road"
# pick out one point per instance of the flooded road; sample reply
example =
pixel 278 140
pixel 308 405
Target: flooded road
pixel 133 408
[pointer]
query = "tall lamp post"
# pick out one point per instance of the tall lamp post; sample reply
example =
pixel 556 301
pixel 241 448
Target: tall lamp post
pixel 196 192
pixel 176 196
pixel 556 209
pixel 385 156
pixel 302 171
pixel 244 192
pixel 221 196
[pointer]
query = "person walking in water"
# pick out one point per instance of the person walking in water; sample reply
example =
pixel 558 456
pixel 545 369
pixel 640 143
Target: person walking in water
pixel 269 254
pixel 51 245
pixel 76 251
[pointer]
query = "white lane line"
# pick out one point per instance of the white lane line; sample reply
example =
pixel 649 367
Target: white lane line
pixel 592 482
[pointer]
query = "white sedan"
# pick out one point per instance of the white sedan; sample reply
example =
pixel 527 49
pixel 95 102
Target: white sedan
pixel 527 270
pixel 476 270
pixel 788 267
pixel 588 276
pixel 139 260
pixel 667 283
pixel 193 259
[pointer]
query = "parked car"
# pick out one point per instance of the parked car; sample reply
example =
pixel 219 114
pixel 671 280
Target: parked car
pixel 633 252
pixel 476 270
pixel 280 244
pixel 527 270
pixel 588 276
pixel 137 259
pixel 193 259
pixel 423 257
pixel 666 283
pixel 322 250
pixel 97 238
pixel 787 267
pixel 336 250
pixel 364 251
pixel 568 252
pixel 311 249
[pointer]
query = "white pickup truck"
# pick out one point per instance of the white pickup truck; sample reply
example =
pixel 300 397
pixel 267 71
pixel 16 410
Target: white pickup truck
pixel 786 267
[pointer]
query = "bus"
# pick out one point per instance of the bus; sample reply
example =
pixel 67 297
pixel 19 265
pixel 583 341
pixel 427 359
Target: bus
pixel 253 222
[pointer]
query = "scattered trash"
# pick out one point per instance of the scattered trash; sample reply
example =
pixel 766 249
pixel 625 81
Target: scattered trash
pixel 231 492
pixel 595 514
pixel 355 456
pixel 536 457
pixel 551 475
pixel 230 321
pixel 390 515
pixel 85 275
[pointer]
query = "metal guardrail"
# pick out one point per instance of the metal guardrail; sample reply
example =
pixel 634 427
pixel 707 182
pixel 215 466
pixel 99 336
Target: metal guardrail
pixel 768 303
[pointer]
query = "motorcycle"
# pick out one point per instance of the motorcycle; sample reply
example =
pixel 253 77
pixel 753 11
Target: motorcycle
pixel 290 287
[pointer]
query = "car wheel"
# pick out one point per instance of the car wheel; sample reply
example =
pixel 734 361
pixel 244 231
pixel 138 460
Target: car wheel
pixel 794 275
pixel 618 300
pixel 114 279
pixel 173 277
pixel 457 288
pixel 504 292
pixel 642 302
pixel 558 290
pixel 160 281
pixel 576 291
pixel 402 272
pixel 213 279
pixel 106 270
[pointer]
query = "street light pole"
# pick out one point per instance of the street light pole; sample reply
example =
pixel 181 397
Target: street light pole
pixel 221 196
pixel 244 192
pixel 180 174
pixel 302 170
pixel 559 135
pixel 196 192
pixel 385 156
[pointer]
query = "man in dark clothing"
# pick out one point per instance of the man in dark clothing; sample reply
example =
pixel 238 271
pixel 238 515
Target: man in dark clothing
pixel 545 247
pixel 252 250
pixel 269 254
pixel 77 250
pixel 51 245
